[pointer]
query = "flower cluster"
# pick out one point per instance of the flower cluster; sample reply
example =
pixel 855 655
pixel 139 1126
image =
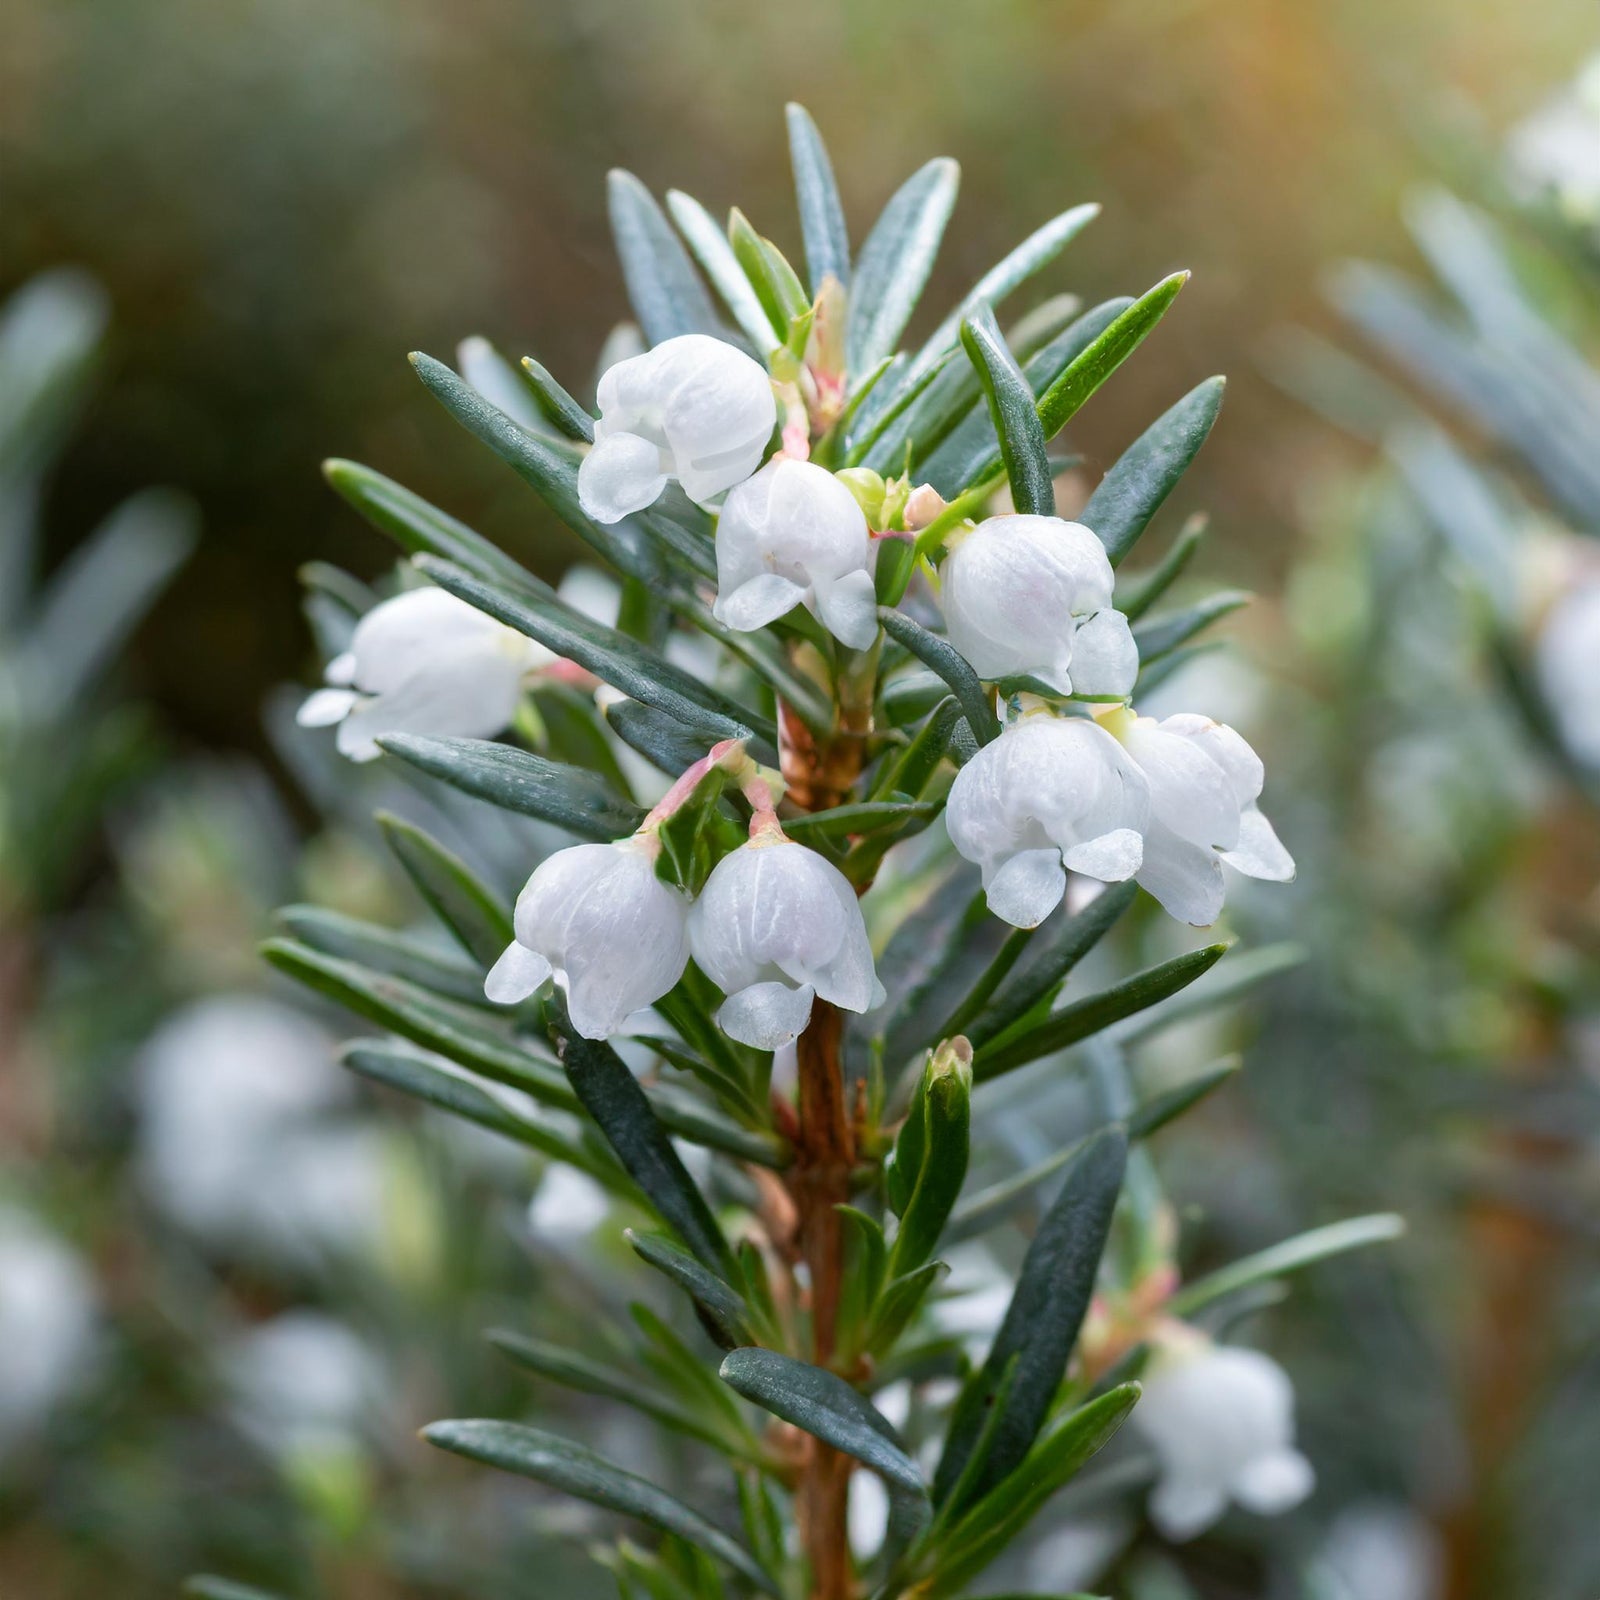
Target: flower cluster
pixel 775 926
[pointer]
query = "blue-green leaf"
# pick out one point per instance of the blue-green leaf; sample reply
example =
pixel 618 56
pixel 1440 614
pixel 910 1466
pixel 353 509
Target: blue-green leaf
pixel 1030 1352
pixel 1094 1012
pixel 1011 406
pixel 722 1307
pixel 942 657
pixel 895 262
pixel 822 223
pixel 612 1096
pixel 580 1472
pixel 667 295
pixel 1036 252
pixel 822 1404
pixel 1146 472
pixel 716 257
pixel 469 909
pixel 516 780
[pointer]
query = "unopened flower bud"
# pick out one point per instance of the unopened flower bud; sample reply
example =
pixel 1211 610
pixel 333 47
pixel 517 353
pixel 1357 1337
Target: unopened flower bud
pixel 694 408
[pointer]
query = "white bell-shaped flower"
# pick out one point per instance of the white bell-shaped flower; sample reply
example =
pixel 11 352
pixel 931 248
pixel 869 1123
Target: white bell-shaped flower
pixel 775 926
pixel 694 408
pixel 1051 793
pixel 1567 660
pixel 423 662
pixel 794 535
pixel 1204 781
pixel 597 919
pixel 1030 596
pixel 1221 1421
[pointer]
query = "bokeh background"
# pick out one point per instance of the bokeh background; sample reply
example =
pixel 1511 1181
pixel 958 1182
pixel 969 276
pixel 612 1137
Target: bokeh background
pixel 280 199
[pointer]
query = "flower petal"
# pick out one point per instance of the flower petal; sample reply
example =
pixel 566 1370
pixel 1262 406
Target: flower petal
pixel 766 1015
pixel 1273 1483
pixel 1182 1508
pixel 850 609
pixel 1260 853
pixel 517 974
pixel 1027 888
pixel 1111 857
pixel 1105 660
pixel 324 707
pixel 620 475
pixel 754 604
pixel 1185 877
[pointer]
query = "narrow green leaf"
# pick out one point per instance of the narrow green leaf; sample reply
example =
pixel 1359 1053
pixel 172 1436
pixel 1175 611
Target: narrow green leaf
pixel 723 1309
pixel 612 657
pixel 554 401
pixel 579 1472
pixel 995 1521
pixel 516 780
pixel 998 970
pixel 417 527
pixel 416 1015
pixel 661 739
pixel 776 287
pixel 900 1301
pixel 971 453
pixel 440 1083
pixel 1062 400
pixel 864 817
pixel 1240 975
pixel 1146 472
pixel 866 1257
pixel 1055 950
pixel 1094 1012
pixel 909 772
pixel 821 211
pixel 822 1404
pixel 1160 1109
pixel 472 912
pixel 613 1097
pixel 551 470
pixel 941 656
pixel 1031 333
pixel 1036 252
pixel 1041 1325
pixel 895 261
pixel 385 950
pixel 1352 1234
pixel 1142 593
pixel 1016 422
pixel 1158 635
pixel 579 1371
pixel 930 415
pixel 715 255
pixel 666 293
pixel 871 436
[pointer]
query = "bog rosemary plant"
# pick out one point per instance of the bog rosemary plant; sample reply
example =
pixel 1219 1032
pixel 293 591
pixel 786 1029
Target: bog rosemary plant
pixel 856 780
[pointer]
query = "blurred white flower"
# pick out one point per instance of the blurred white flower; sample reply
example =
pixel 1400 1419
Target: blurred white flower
pixel 794 535
pixel 1030 596
pixel 567 1206
pixel 611 933
pixel 234 1143
pixel 1051 793
pixel 1378 1551
pixel 867 1513
pixel 302 1384
pixel 775 926
pixel 1567 660
pixel 1556 150
pixel 47 1322
pixel 1203 782
pixel 423 662
pixel 694 408
pixel 1221 1421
